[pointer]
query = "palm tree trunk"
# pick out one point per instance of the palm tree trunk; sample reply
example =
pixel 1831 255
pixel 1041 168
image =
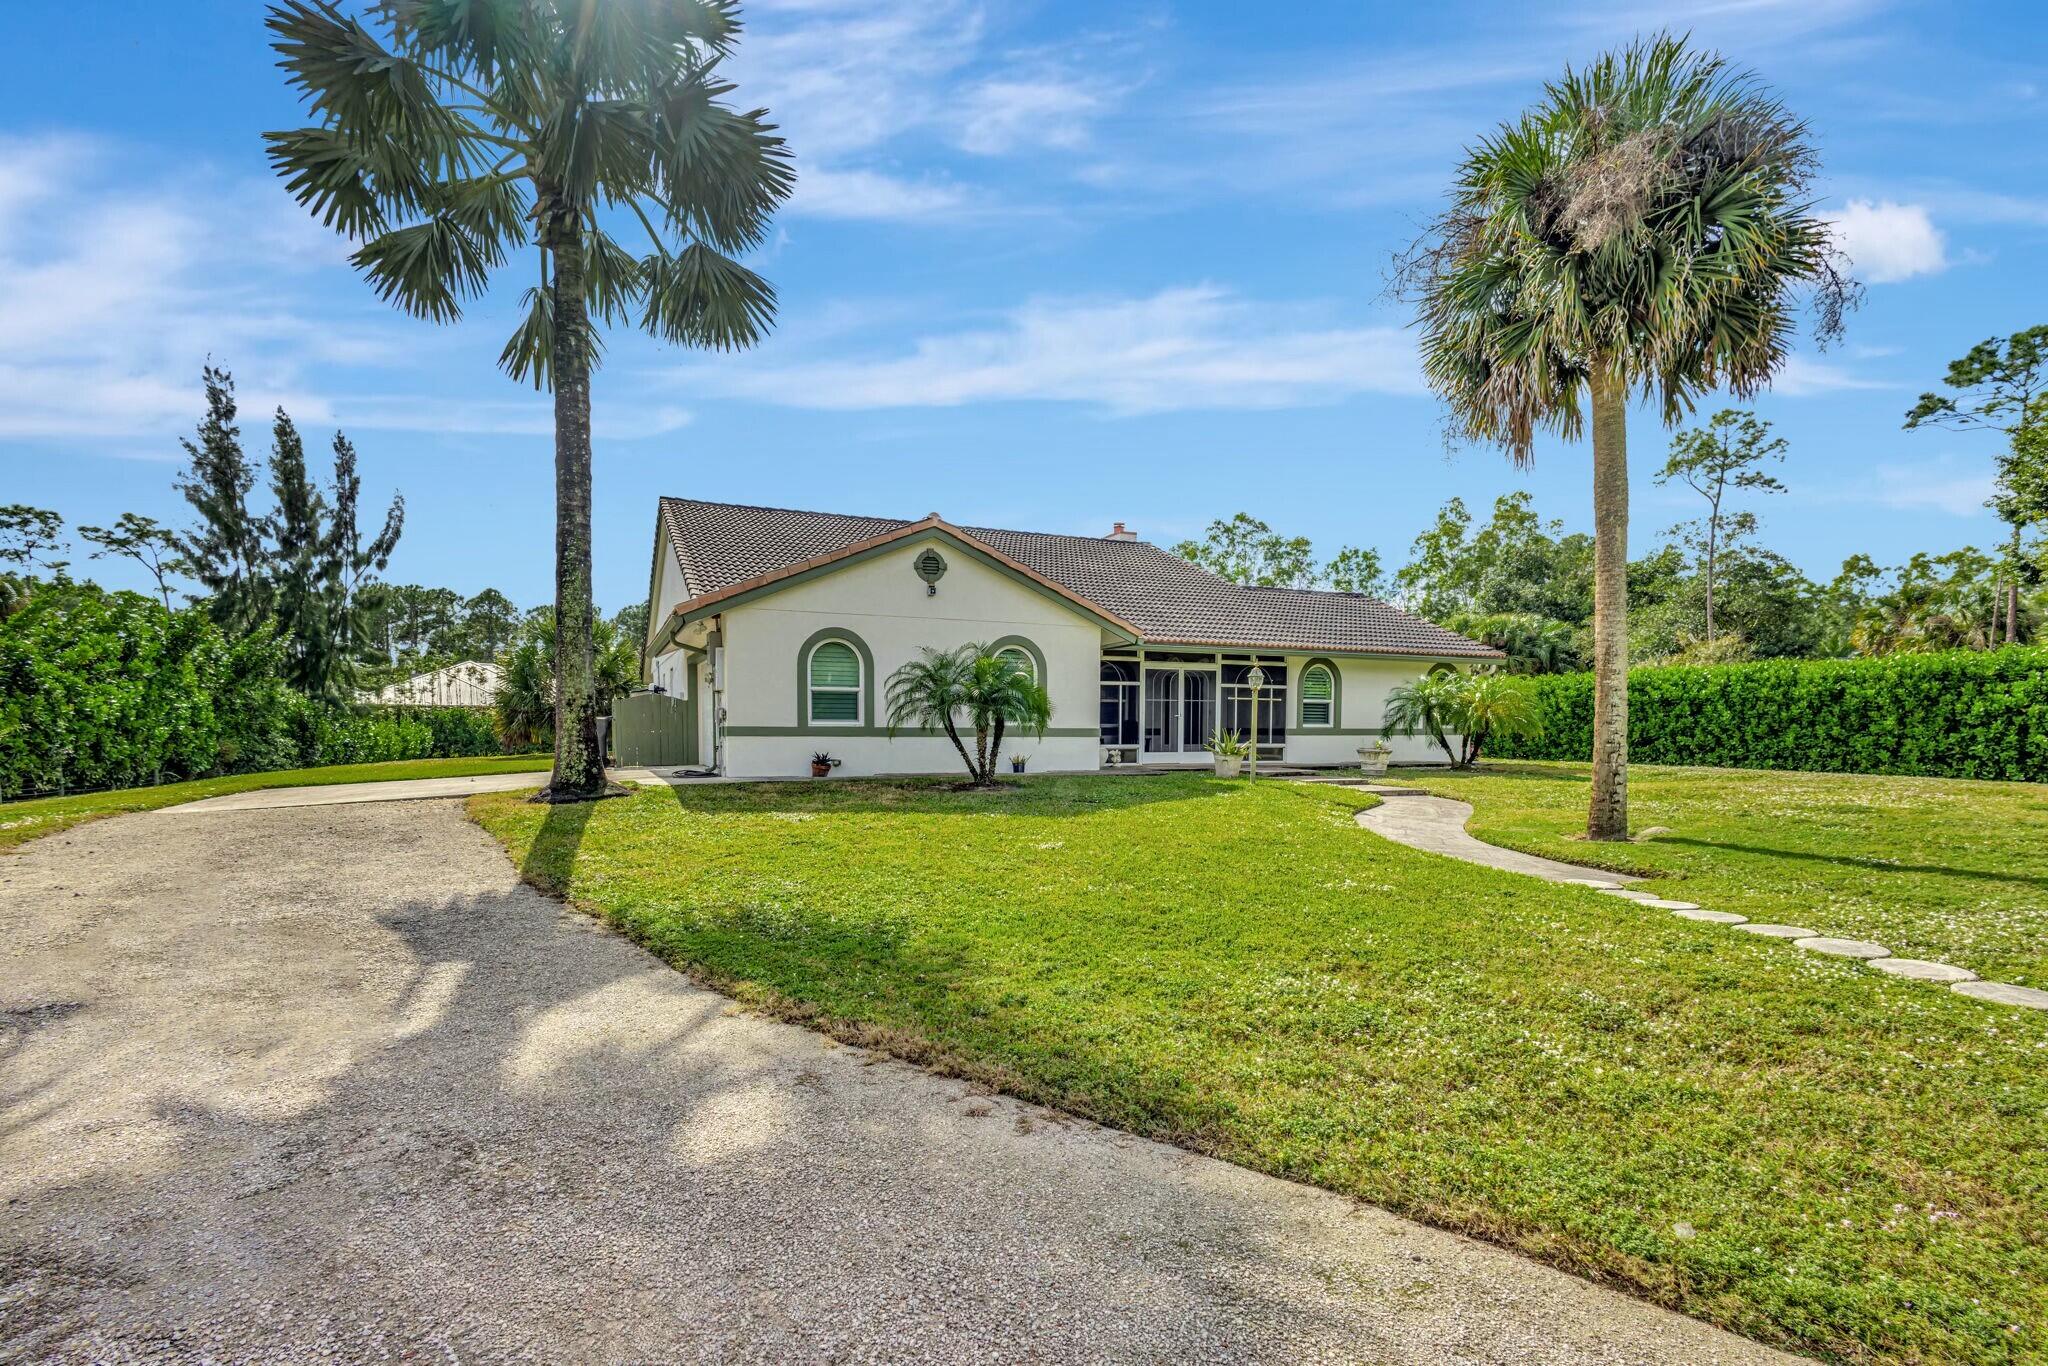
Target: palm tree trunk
pixel 579 765
pixel 953 734
pixel 981 753
pixel 1607 816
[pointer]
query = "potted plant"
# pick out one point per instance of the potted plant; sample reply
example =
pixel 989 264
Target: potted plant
pixel 1016 763
pixel 1372 758
pixel 1228 751
pixel 822 764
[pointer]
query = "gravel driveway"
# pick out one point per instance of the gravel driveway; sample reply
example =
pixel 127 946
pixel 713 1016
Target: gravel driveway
pixel 328 1080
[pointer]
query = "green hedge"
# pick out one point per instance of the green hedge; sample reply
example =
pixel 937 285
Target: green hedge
pixel 102 690
pixel 1960 714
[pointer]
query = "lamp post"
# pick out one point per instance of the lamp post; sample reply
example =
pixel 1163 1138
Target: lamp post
pixel 1257 679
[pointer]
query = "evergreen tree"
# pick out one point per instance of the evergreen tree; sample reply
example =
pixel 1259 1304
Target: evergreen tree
pixel 357 618
pixel 226 551
pixel 305 571
pixel 489 621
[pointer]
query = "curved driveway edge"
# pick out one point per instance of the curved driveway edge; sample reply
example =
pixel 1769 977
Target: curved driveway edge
pixel 330 1080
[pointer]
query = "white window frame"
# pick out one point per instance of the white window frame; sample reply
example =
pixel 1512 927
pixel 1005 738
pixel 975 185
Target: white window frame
pixel 811 689
pixel 1328 704
pixel 1023 655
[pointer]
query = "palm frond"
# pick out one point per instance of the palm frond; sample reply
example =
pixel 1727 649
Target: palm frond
pixel 428 268
pixel 360 89
pixel 613 277
pixel 349 184
pixel 1650 214
pixel 701 297
pixel 723 174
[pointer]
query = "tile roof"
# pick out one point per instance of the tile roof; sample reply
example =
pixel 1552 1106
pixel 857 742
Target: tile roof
pixel 1170 601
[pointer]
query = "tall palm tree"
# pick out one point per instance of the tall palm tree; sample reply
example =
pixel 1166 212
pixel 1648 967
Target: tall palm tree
pixel 1638 233
pixel 452 133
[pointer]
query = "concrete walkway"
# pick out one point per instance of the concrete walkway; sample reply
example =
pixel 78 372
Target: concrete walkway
pixel 329 1081
pixel 1437 825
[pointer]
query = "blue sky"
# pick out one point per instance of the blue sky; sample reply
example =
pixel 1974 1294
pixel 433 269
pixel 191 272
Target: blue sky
pixel 1050 266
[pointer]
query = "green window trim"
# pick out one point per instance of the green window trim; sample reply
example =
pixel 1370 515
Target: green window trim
pixel 1319 706
pixel 848 696
pixel 1039 674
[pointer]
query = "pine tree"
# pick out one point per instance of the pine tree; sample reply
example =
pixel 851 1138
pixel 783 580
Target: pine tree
pixel 305 571
pixel 358 563
pixel 227 551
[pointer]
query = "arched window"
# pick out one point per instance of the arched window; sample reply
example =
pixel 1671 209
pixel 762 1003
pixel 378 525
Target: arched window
pixel 1318 694
pixel 834 673
pixel 1021 657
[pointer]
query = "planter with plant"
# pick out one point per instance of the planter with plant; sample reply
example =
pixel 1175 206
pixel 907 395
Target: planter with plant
pixel 822 764
pixel 1228 751
pixel 1372 758
pixel 1016 763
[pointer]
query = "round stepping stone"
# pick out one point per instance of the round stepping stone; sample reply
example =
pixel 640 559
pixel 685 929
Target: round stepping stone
pixel 2005 993
pixel 1663 904
pixel 1711 917
pixel 1631 893
pixel 1779 931
pixel 1923 970
pixel 1844 948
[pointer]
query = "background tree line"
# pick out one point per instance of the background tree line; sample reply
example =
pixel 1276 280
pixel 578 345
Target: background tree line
pixel 1710 591
pixel 268 619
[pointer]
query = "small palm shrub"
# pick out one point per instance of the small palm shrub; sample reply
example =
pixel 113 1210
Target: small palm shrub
pixel 1460 713
pixel 993 691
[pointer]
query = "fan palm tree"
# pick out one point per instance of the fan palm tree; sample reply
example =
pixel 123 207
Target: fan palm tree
pixel 452 133
pixel 1638 233
pixel 993 690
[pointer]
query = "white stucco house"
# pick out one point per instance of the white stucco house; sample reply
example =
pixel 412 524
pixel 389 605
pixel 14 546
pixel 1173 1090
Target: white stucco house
pixel 779 630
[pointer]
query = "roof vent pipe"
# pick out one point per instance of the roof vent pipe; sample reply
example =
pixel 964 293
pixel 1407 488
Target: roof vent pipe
pixel 1119 533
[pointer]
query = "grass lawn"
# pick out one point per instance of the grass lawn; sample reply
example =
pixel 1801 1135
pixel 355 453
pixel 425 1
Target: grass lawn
pixel 1928 867
pixel 24 821
pixel 1792 1146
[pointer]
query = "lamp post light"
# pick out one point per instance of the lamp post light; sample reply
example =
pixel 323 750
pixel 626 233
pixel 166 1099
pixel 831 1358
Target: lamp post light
pixel 1257 679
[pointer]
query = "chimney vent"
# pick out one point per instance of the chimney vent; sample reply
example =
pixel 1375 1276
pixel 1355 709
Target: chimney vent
pixel 1118 533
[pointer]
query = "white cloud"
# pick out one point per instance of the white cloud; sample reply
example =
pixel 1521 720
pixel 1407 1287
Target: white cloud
pixel 873 195
pixel 1189 348
pixel 119 289
pixel 1936 487
pixel 532 416
pixel 1888 242
pixel 860 85
pixel 1004 115
pixel 1803 377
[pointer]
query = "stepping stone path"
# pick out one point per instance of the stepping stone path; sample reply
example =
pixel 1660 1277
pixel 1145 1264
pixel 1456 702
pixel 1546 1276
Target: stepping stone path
pixel 1711 917
pixel 2003 993
pixel 1436 825
pixel 1921 970
pixel 1842 948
